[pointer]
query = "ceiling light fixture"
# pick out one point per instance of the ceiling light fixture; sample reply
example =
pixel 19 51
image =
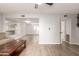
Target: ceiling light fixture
pixel 28 22
pixel 39 3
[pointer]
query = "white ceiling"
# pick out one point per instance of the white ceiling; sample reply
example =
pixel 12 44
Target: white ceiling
pixel 71 8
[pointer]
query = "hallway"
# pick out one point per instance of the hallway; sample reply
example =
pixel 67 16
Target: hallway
pixel 35 49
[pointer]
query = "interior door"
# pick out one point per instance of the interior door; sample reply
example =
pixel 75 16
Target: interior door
pixel 62 33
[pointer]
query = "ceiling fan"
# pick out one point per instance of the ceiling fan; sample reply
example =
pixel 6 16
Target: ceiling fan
pixel 49 4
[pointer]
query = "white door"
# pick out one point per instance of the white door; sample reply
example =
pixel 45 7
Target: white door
pixel 63 27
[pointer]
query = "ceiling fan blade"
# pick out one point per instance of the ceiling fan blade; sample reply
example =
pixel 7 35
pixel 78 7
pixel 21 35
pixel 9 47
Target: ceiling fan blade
pixel 50 4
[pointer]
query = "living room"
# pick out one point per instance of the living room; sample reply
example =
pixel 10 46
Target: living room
pixel 39 29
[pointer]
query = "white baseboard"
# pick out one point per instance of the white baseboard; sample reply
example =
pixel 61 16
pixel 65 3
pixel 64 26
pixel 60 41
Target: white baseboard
pixel 75 43
pixel 48 43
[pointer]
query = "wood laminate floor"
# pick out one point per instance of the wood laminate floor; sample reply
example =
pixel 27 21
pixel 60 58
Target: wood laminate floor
pixel 35 49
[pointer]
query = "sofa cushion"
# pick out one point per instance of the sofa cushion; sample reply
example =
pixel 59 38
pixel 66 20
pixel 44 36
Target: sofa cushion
pixel 4 41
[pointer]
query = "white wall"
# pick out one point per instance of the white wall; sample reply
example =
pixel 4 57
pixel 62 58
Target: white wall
pixel 52 36
pixel 74 30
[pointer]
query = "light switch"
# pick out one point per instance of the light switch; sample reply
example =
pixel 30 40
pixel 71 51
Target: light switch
pixel 49 28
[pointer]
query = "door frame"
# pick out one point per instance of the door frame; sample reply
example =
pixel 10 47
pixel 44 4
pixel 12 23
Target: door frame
pixel 62 19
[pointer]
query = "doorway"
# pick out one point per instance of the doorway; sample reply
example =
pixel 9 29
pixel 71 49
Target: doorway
pixel 32 30
pixel 62 31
